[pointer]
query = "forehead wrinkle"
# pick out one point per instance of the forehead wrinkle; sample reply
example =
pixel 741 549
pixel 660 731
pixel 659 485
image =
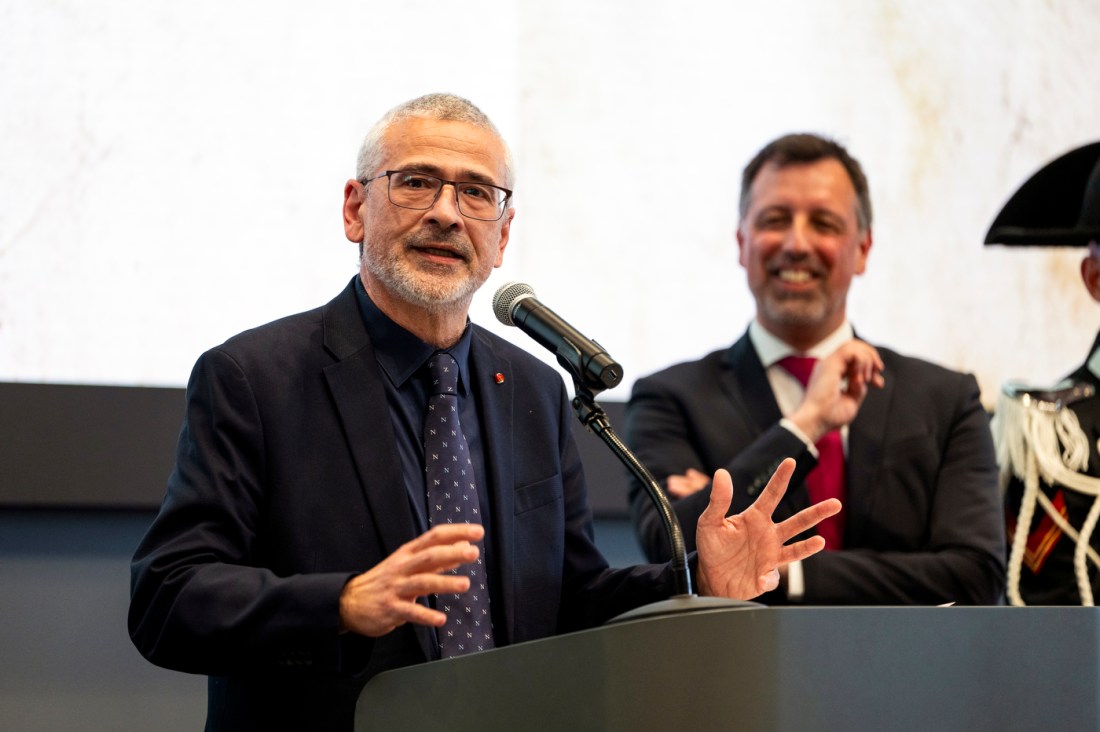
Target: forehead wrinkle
pixel 446 144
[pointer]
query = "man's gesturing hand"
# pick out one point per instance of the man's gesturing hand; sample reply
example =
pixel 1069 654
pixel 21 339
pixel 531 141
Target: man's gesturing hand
pixel 384 597
pixel 739 556
pixel 837 388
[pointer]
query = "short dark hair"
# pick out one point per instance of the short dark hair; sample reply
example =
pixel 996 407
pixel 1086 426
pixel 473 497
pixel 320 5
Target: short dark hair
pixel 802 148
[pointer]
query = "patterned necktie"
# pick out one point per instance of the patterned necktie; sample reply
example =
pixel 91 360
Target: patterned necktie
pixel 452 498
pixel 827 480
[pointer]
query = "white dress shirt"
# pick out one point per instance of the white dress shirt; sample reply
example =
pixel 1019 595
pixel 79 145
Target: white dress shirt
pixel 788 393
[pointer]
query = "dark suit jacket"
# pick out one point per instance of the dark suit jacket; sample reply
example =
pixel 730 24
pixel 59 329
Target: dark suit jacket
pixel 1056 581
pixel 924 523
pixel 287 484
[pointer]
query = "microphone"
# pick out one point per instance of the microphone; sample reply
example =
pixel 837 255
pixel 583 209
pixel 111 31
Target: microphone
pixel 515 304
pixel 593 371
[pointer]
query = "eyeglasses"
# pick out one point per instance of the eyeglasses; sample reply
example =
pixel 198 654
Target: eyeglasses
pixel 420 191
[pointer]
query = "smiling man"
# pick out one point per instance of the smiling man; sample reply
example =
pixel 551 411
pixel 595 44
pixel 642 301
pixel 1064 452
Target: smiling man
pixel 379 482
pixel 903 443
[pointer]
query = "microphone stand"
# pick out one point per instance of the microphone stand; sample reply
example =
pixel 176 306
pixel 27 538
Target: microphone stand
pixel 593 417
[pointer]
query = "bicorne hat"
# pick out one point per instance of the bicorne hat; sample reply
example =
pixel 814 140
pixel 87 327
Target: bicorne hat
pixel 1058 206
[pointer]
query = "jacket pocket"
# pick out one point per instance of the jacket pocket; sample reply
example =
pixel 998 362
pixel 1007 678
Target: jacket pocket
pixel 535 495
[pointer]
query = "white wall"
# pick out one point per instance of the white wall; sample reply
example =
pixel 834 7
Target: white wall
pixel 171 173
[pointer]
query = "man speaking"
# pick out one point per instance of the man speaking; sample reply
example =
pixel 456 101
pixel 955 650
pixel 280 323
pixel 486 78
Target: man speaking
pixel 378 482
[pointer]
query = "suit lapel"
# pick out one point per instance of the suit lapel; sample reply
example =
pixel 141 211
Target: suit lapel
pixel 866 434
pixel 355 381
pixel 745 383
pixel 361 403
pixel 495 401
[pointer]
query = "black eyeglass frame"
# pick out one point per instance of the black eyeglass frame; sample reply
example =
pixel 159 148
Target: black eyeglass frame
pixel 503 205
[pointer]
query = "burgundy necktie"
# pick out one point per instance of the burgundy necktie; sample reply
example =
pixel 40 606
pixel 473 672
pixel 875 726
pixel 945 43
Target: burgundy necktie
pixel 827 479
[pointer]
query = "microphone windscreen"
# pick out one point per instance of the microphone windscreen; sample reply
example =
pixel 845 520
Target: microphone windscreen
pixel 505 298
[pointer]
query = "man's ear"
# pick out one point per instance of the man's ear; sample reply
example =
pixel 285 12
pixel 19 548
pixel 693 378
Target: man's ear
pixel 865 242
pixel 1090 271
pixel 505 232
pixel 355 195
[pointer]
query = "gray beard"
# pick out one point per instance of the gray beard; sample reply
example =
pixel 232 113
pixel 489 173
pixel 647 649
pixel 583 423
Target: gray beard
pixel 796 311
pixel 433 293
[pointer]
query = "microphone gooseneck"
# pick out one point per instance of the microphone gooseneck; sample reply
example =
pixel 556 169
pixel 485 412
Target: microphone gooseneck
pixel 593 371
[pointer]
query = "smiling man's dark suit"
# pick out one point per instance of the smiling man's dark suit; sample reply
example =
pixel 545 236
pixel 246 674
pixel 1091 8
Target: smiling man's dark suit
pixel 923 520
pixel 287 485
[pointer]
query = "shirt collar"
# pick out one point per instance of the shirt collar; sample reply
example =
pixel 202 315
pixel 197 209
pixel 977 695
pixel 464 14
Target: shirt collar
pixel 400 353
pixel 770 348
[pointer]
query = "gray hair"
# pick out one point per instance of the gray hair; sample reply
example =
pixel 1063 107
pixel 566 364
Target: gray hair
pixel 446 107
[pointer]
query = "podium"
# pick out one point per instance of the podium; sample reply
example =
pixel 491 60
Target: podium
pixel 991 668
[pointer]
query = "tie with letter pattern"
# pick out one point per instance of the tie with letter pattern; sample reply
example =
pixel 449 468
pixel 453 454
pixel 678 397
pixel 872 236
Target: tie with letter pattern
pixel 452 499
pixel 827 479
